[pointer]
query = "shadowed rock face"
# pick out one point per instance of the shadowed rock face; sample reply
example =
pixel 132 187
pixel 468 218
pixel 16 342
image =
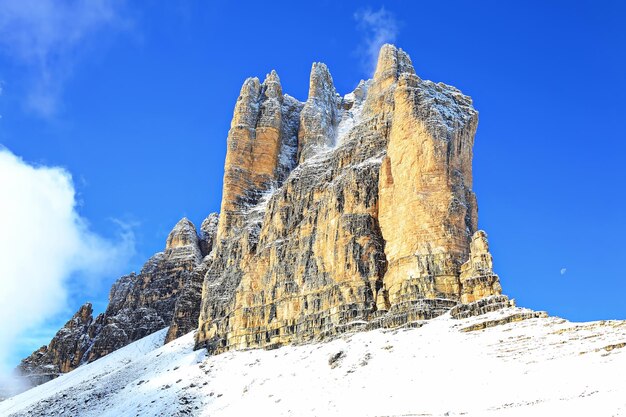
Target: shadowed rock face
pixel 372 225
pixel 65 351
pixel 165 293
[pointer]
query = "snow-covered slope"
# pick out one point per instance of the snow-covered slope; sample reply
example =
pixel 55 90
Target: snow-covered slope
pixel 542 366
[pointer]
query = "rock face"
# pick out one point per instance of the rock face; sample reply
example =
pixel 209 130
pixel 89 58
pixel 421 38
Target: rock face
pixel 65 351
pixel 337 214
pixel 477 277
pixel 372 226
pixel 318 119
pixel 165 293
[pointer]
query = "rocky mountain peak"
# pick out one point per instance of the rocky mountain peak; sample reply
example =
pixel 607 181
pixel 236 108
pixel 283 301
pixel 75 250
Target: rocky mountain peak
pixel 321 84
pixel 183 234
pixel 337 214
pixel 245 114
pixel 83 316
pixel 392 62
pixel 318 118
pixel 372 226
pixel 65 351
pixel 208 231
pixel 271 86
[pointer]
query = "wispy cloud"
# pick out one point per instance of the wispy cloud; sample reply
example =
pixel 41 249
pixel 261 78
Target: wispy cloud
pixel 46 247
pixel 48 37
pixel 563 271
pixel 378 27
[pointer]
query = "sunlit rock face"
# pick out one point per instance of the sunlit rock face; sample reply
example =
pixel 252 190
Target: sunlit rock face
pixel 477 277
pixel 337 214
pixel 371 226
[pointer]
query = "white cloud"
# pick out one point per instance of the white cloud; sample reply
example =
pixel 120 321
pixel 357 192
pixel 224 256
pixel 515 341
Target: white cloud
pixel 379 27
pixel 563 271
pixel 48 36
pixel 45 244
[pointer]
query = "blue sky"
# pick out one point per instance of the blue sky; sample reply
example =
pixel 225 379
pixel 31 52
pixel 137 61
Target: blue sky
pixel 134 100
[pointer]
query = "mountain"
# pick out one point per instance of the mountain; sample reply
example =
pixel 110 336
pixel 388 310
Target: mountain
pixel 340 214
pixel 165 293
pixel 372 224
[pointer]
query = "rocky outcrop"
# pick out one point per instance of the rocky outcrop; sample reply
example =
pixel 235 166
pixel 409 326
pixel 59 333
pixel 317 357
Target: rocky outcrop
pixel 140 304
pixel 480 307
pixel 187 306
pixel 65 351
pixel 318 119
pixel 477 277
pixel 165 293
pixel 372 226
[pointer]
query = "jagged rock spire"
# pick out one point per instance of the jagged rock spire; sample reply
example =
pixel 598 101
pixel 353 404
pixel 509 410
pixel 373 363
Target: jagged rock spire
pixel 392 62
pixel 183 234
pixel 255 144
pixel 208 232
pixel 318 118
pixel 477 277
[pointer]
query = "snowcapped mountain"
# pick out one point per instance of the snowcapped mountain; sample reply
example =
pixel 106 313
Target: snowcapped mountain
pixel 345 275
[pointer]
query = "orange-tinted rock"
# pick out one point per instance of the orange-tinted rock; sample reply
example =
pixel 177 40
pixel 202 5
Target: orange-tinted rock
pixel 371 227
pixel 427 208
pixel 477 277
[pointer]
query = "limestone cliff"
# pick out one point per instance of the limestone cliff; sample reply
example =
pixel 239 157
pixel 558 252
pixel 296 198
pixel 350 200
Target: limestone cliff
pixel 165 293
pixel 339 213
pixel 372 226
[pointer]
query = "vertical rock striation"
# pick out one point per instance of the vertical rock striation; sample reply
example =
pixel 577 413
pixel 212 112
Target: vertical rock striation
pixel 262 151
pixel 427 209
pixel 337 214
pixel 372 226
pixel 318 119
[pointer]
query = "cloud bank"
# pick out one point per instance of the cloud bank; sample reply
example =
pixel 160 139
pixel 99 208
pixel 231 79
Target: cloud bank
pixel 45 245
pixel 378 27
pixel 47 37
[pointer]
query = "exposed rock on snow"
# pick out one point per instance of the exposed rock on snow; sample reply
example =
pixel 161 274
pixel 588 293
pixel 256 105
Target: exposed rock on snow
pixel 539 367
